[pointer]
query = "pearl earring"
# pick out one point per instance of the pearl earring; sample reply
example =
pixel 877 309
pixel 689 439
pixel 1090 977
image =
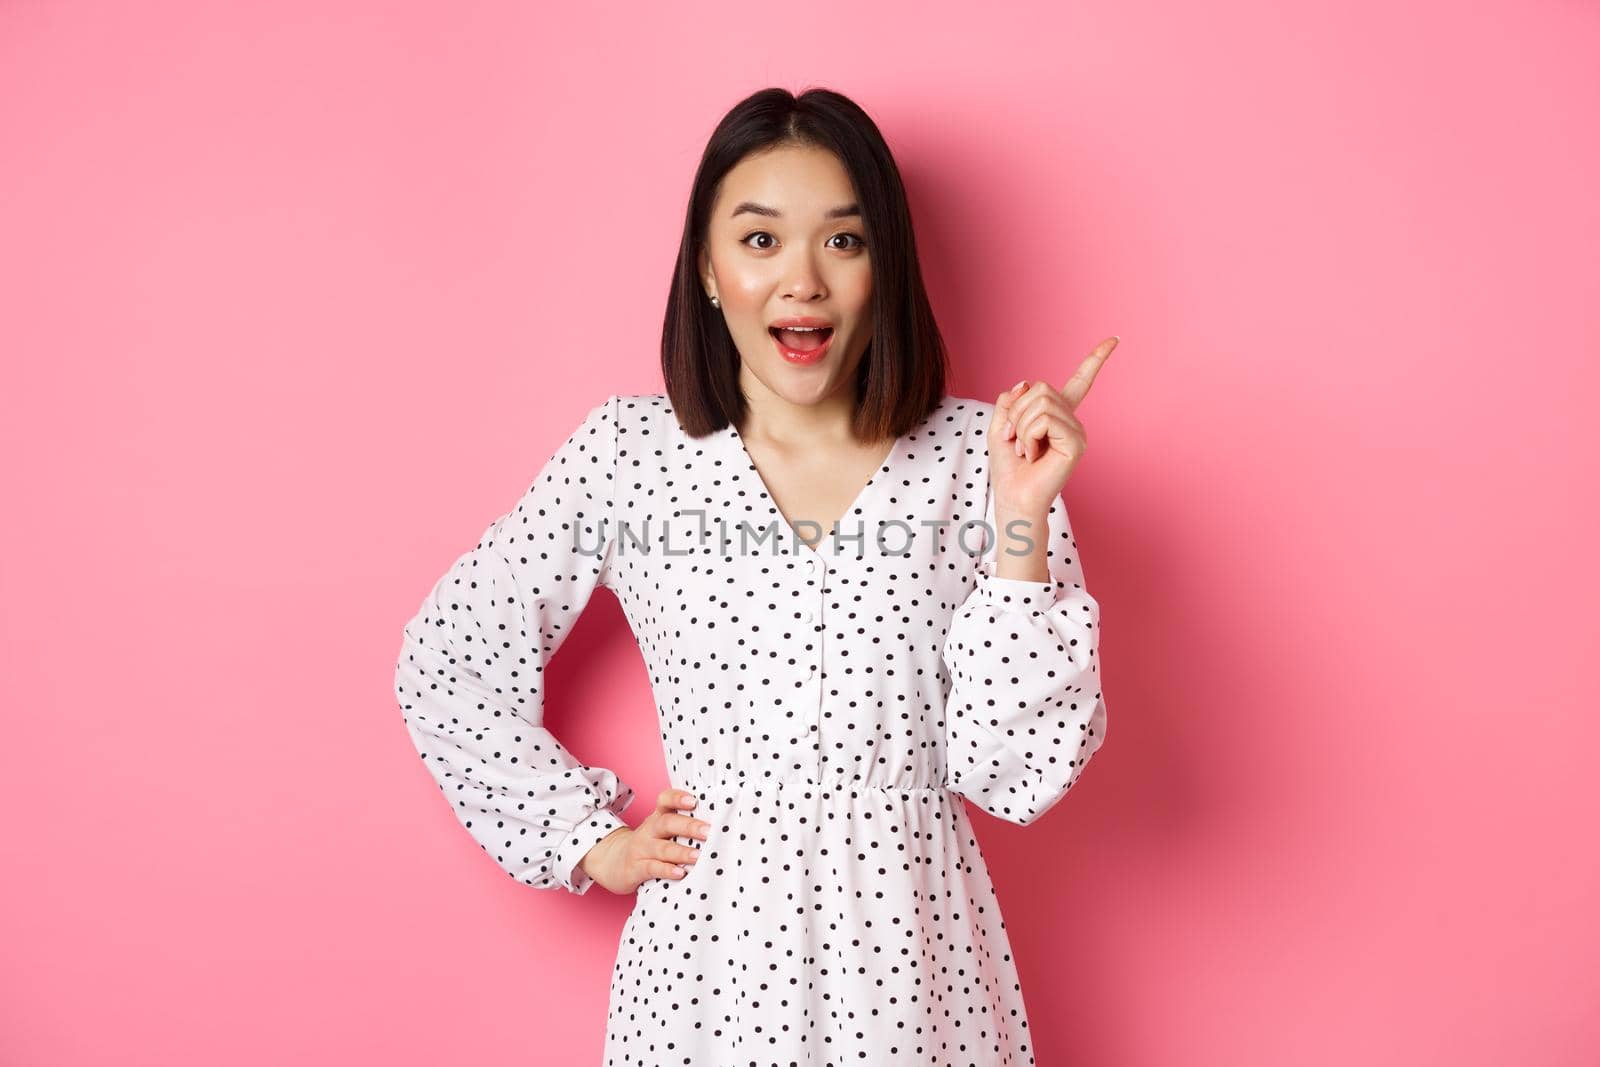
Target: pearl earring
pixel 715 302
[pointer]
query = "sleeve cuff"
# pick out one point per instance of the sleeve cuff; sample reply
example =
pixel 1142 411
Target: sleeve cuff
pixel 1013 593
pixel 999 781
pixel 584 836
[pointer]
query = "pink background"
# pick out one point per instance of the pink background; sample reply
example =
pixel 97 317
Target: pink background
pixel 297 297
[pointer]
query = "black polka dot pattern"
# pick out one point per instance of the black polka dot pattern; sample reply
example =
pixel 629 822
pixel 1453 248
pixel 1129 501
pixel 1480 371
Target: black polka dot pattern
pixel 827 703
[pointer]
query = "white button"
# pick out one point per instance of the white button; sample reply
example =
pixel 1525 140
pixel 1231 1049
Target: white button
pixel 806 615
pixel 812 564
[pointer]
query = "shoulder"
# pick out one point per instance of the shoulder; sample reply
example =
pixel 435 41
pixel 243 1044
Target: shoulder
pixel 642 403
pixel 643 415
pixel 959 415
pixel 648 430
pixel 967 408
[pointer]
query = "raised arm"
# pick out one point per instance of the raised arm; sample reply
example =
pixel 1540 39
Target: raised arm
pixel 1024 712
pixel 471 674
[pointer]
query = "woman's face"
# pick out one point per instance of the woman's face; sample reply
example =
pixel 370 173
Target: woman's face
pixel 785 241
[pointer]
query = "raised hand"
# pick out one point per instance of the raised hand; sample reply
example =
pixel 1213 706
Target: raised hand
pixel 1035 438
pixel 625 857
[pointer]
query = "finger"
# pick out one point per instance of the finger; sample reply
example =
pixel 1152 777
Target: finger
pixel 1025 436
pixel 663 869
pixel 1029 433
pixel 1046 427
pixel 1077 386
pixel 688 826
pixel 1006 408
pixel 671 853
pixel 1002 405
pixel 1030 406
pixel 1032 401
pixel 670 800
pixel 1042 431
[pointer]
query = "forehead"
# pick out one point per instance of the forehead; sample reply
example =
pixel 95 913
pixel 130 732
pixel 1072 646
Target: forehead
pixel 798 182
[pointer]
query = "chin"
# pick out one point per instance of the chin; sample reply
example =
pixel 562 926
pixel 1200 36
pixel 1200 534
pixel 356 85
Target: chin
pixel 800 383
pixel 796 385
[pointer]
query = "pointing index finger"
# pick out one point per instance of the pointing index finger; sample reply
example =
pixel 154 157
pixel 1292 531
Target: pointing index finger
pixel 1077 386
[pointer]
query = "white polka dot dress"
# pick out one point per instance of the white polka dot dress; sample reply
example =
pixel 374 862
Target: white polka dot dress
pixel 829 705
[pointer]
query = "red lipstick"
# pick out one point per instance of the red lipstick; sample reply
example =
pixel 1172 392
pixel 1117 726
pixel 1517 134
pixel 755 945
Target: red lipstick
pixel 801 339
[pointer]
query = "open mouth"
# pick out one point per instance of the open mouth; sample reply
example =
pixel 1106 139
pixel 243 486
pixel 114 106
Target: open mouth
pixel 800 345
pixel 801 340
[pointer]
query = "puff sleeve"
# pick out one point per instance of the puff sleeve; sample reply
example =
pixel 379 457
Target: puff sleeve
pixel 1024 711
pixel 471 673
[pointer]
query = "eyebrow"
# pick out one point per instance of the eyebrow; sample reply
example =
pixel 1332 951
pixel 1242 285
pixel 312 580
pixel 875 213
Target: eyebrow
pixel 771 212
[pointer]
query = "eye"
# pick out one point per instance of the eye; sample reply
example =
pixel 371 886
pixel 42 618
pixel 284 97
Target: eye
pixel 859 243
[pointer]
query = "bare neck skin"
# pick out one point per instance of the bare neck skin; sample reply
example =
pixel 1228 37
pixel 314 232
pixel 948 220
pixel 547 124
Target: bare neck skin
pixel 811 462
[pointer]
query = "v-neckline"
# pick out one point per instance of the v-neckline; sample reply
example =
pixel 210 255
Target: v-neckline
pixel 754 474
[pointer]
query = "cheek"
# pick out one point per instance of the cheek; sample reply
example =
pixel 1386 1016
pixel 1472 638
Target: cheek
pixel 855 290
pixel 743 282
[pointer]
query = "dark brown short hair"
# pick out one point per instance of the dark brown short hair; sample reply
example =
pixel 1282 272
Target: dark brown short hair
pixel 902 373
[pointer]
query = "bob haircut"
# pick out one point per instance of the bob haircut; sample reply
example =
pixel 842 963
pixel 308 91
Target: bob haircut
pixel 901 377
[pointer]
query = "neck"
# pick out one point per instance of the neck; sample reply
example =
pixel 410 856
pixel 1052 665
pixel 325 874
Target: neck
pixel 770 417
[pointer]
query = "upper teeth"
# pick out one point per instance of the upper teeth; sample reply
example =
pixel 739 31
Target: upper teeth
pixel 802 329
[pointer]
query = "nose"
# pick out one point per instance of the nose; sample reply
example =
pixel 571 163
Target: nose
pixel 802 280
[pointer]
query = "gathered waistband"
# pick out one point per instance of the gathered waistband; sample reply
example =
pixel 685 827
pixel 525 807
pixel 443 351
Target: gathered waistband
pixel 826 789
